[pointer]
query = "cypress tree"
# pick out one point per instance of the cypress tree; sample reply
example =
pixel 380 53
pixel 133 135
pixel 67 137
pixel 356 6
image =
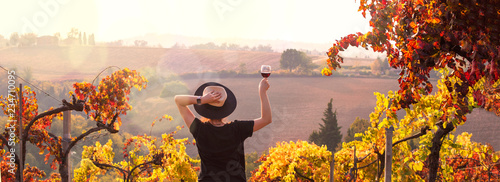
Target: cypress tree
pixel 329 132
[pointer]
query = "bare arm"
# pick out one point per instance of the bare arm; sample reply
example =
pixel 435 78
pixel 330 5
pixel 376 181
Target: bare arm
pixel 183 101
pixel 265 107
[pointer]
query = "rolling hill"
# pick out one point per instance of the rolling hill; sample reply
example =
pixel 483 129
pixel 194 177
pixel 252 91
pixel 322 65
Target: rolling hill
pixel 80 62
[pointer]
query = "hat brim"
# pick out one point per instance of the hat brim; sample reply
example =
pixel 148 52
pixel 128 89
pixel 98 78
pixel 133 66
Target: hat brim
pixel 213 112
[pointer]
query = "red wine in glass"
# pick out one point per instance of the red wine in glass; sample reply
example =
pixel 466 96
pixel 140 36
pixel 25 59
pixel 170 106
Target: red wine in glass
pixel 265 71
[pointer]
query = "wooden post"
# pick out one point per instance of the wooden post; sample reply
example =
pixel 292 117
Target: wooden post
pixel 20 123
pixel 355 165
pixel 331 167
pixel 66 141
pixel 388 153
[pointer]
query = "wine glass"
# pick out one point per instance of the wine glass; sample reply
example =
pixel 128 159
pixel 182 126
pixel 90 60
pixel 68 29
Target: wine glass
pixel 265 71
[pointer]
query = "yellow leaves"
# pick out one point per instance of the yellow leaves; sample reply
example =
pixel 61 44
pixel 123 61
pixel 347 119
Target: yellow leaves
pixel 497 83
pixel 386 103
pixel 101 154
pixel 167 117
pixel 117 126
pixel 358 135
pixel 384 123
pixel 406 159
pixel 326 72
pixel 464 138
pixel 175 165
pixel 477 150
pixel 284 159
pixel 417 166
pixel 426 112
pixel 118 122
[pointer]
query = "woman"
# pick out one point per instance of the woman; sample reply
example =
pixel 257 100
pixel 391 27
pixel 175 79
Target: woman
pixel 220 143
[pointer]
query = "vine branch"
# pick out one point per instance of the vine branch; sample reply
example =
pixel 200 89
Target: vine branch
pixel 301 175
pixel 75 105
pixel 422 132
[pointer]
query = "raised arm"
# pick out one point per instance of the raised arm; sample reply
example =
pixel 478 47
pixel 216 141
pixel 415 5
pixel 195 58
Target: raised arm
pixel 183 101
pixel 265 107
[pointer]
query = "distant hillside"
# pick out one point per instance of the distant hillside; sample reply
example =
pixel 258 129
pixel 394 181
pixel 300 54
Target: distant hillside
pixel 168 40
pixel 192 61
pixel 78 62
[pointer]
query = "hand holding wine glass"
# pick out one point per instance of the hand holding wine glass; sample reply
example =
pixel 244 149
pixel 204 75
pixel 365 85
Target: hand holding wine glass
pixel 265 71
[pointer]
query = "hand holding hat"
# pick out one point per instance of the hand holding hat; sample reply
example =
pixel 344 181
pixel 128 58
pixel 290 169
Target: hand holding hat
pixel 214 95
pixel 218 101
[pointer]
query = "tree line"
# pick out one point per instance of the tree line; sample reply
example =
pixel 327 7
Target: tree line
pixel 225 46
pixel 74 37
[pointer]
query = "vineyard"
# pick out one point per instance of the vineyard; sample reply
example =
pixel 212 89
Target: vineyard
pixel 296 101
pixel 350 100
pixel 421 127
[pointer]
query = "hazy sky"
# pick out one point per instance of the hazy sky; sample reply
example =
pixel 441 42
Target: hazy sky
pixel 318 21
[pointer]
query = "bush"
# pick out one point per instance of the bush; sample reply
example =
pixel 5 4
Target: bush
pixel 173 88
pixel 300 161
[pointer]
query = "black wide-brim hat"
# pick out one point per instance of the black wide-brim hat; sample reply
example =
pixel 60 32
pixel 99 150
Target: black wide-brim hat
pixel 213 112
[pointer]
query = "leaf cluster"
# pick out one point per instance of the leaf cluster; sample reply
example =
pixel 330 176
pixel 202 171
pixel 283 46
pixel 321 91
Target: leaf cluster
pixel 428 117
pixel 294 161
pixel 146 158
pixel 419 36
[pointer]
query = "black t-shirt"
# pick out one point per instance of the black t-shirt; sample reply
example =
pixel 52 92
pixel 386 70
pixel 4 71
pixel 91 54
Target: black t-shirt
pixel 221 149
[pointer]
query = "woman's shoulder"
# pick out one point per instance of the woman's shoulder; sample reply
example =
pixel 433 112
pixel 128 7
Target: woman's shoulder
pixel 239 123
pixel 243 121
